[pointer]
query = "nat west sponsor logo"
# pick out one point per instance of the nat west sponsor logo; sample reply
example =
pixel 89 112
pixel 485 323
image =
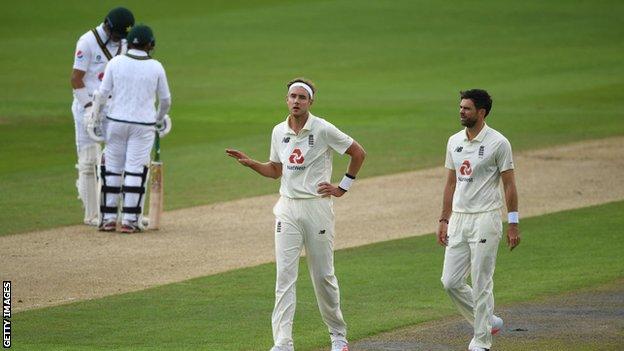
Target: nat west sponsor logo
pixel 295 168
pixel 296 157
pixel 465 169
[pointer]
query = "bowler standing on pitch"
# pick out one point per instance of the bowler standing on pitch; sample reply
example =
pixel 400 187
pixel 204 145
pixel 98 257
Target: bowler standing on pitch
pixel 301 154
pixel 93 51
pixel 477 158
pixel 134 80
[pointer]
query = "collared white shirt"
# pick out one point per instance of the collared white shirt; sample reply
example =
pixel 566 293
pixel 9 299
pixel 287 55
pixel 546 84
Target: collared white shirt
pixel 478 164
pixel 90 58
pixel 134 80
pixel 306 158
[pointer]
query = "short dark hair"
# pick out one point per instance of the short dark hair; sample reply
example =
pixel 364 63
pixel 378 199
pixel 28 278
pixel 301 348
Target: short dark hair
pixel 302 80
pixel 479 97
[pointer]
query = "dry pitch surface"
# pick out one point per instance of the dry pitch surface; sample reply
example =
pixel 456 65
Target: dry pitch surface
pixel 74 263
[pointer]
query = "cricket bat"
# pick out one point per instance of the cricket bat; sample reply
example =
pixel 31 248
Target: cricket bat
pixel 156 188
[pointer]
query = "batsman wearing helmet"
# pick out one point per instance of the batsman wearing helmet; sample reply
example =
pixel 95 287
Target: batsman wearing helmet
pixel 134 80
pixel 94 50
pixel 301 154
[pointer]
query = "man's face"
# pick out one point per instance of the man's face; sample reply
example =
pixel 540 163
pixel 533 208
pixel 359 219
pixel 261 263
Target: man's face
pixel 469 114
pixel 298 101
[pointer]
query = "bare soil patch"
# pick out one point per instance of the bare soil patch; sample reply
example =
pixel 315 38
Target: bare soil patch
pixel 74 263
pixel 583 320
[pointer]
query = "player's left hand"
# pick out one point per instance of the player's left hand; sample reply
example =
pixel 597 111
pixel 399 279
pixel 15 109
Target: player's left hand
pixel 326 189
pixel 513 236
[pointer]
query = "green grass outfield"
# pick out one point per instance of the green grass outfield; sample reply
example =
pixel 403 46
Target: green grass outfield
pixel 388 73
pixel 384 286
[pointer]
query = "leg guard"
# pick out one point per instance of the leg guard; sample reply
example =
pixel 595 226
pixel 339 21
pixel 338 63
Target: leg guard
pixel 88 157
pixel 109 197
pixel 134 196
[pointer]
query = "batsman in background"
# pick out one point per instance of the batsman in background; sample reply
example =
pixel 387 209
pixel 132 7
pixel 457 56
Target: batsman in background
pixel 93 51
pixel 301 154
pixel 134 80
pixel 470 226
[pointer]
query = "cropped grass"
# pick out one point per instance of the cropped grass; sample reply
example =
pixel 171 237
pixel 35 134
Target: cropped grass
pixel 388 73
pixel 384 286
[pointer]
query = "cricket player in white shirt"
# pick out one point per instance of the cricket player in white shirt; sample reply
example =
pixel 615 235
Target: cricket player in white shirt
pixel 134 80
pixel 470 225
pixel 301 154
pixel 93 51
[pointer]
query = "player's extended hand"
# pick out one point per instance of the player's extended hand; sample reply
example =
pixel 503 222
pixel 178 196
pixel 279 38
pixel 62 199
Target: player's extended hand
pixel 240 156
pixel 443 233
pixel 513 236
pixel 326 189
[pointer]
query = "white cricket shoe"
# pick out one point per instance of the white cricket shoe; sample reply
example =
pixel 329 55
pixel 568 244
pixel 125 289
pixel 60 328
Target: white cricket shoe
pixel 478 349
pixel 282 348
pixel 497 324
pixel 340 345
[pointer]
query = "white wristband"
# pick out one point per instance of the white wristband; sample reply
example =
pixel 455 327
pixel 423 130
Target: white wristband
pixel 346 182
pixel 513 217
pixel 82 95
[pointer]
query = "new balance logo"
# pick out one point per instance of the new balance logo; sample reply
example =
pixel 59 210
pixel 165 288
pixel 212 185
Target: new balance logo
pixel 459 149
pixel 322 231
pixel 482 241
pixel 286 140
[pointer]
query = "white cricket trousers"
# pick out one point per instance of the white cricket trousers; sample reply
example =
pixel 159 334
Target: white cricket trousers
pixel 305 223
pixel 473 240
pixel 128 148
pixel 89 153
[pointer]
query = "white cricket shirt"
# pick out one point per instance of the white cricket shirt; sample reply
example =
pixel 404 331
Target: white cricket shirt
pixel 478 164
pixel 90 58
pixel 134 83
pixel 306 158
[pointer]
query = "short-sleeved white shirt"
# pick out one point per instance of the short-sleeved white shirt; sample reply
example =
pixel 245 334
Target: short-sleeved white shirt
pixel 306 158
pixel 478 164
pixel 134 82
pixel 90 58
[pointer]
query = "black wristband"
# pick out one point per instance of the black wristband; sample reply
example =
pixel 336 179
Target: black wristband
pixel 342 189
pixel 349 176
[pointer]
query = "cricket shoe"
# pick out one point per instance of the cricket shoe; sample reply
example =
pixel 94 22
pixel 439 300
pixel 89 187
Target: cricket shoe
pixel 282 348
pixel 497 324
pixel 479 349
pixel 340 345
pixel 109 225
pixel 129 228
pixel 93 222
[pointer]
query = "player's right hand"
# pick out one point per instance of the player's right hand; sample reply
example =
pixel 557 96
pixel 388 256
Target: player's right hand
pixel 442 234
pixel 240 156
